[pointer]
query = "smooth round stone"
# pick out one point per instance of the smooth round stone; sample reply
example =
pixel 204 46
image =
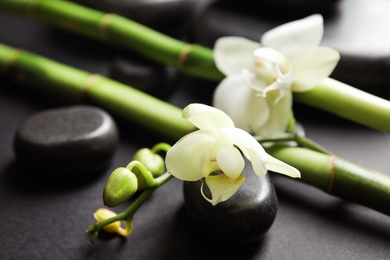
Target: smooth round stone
pixel 152 13
pixel 360 39
pixel 148 76
pixel 241 220
pixel 66 142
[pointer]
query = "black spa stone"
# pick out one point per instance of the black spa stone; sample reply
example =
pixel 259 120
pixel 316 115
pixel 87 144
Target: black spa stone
pixel 157 14
pixel 356 28
pixel 241 220
pixel 66 142
pixel 148 76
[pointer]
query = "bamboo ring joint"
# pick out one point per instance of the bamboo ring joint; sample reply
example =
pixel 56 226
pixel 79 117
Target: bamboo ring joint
pixel 88 83
pixel 183 56
pixel 104 22
pixel 12 59
pixel 31 6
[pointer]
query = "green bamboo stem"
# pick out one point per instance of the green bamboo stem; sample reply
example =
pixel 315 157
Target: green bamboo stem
pixel 339 177
pixel 196 60
pixel 80 86
pixel 327 172
pixel 348 102
pixel 120 32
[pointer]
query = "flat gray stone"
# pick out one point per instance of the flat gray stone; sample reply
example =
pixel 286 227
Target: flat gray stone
pixel 65 142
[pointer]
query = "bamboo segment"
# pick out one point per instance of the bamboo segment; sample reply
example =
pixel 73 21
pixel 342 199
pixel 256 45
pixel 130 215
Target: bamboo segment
pixel 326 172
pixel 339 177
pixel 120 32
pixel 77 85
pixel 349 102
pixel 330 95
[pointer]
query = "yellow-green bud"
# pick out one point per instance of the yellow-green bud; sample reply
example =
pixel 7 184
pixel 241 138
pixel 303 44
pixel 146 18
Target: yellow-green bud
pixel 121 185
pixel 153 162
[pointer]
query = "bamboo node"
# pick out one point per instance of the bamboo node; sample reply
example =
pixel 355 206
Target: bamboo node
pixel 104 22
pixel 12 59
pixel 31 6
pixel 333 173
pixel 88 83
pixel 185 52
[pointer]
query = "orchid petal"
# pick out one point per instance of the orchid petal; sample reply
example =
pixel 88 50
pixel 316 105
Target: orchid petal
pixel 295 37
pixel 222 187
pixel 230 161
pixel 184 159
pixel 232 54
pixel 278 166
pixel 278 118
pixel 252 150
pixel 239 101
pixel 207 117
pixel 311 68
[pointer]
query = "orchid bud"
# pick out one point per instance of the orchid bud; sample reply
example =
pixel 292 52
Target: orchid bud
pixel 115 227
pixel 121 185
pixel 152 161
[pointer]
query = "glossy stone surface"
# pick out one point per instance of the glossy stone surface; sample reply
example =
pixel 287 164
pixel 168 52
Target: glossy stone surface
pixel 148 76
pixel 157 14
pixel 237 222
pixel 355 28
pixel 67 141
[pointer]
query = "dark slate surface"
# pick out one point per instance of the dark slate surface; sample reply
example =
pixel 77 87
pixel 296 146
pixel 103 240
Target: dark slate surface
pixel 47 221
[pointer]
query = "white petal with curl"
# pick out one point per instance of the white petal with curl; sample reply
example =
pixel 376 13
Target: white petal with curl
pixel 295 37
pixel 278 166
pixel 252 150
pixel 314 66
pixel 232 54
pixel 239 101
pixel 207 117
pixel 184 159
pixel 222 187
pixel 230 161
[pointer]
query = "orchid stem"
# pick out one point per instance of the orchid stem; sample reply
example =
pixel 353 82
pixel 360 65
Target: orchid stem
pixel 150 182
pixel 132 209
pixel 299 140
pixel 161 147
pixel 317 169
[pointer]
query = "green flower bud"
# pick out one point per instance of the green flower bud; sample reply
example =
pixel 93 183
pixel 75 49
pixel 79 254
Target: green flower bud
pixel 153 162
pixel 121 185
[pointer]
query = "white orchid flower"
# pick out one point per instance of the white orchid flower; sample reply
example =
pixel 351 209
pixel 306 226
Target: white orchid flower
pixel 256 93
pixel 215 153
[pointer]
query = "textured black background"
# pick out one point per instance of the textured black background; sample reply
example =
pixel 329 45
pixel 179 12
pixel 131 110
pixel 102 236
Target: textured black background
pixel 46 220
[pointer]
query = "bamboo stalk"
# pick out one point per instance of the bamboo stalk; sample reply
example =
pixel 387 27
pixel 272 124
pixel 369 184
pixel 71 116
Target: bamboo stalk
pixel 348 102
pixel 77 85
pixel 327 172
pixel 338 177
pixel 329 95
pixel 120 32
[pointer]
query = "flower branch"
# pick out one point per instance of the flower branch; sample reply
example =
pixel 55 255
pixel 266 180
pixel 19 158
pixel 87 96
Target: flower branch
pixel 298 139
pixel 122 185
pixel 357 183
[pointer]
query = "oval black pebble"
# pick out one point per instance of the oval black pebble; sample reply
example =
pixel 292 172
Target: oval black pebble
pixel 65 142
pixel 148 76
pixel 239 221
pixel 161 14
